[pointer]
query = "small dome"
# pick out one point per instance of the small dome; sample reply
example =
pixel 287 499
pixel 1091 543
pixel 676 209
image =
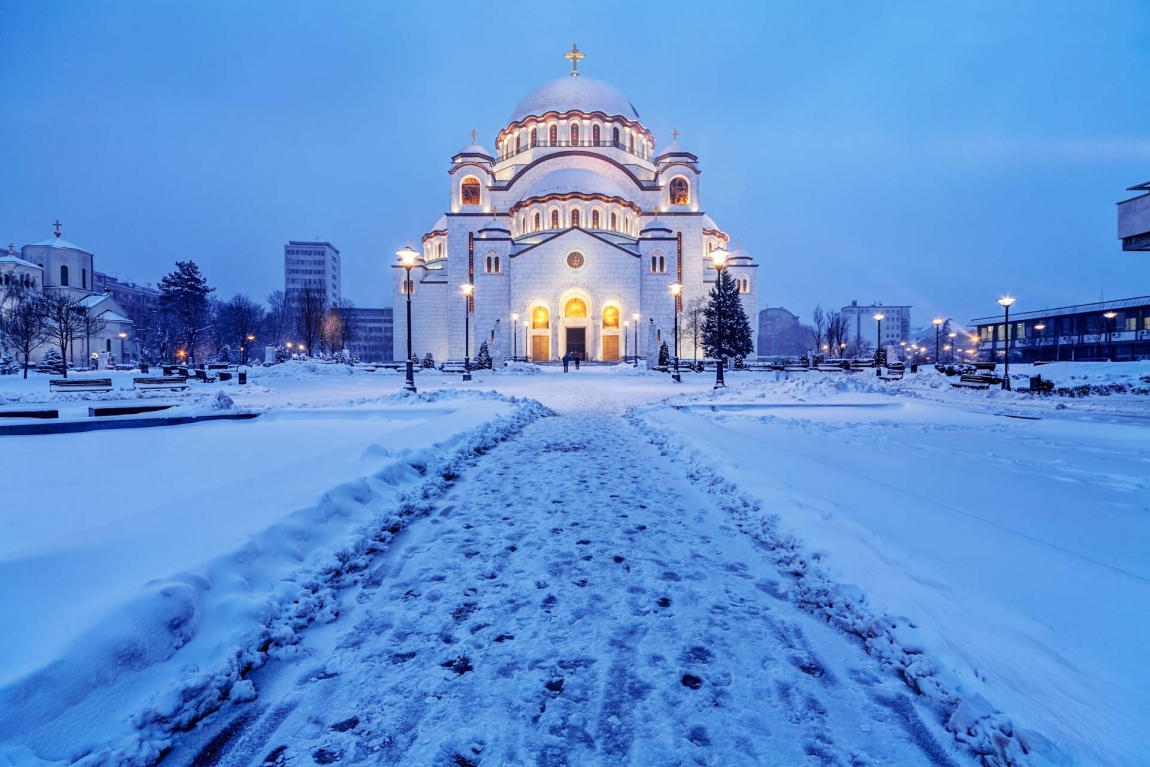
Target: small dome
pixel 738 254
pixel 571 180
pixel 565 94
pixel 654 227
pixel 474 150
pixel 495 227
pixel 672 150
pixel 440 225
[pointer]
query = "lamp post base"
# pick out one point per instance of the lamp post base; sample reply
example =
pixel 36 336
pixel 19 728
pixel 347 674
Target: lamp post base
pixel 1006 384
pixel 409 384
pixel 719 382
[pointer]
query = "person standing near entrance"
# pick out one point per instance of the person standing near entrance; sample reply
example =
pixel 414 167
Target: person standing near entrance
pixel 566 359
pixel 578 356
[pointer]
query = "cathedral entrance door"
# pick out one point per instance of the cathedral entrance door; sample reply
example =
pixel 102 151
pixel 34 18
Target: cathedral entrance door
pixel 540 348
pixel 577 341
pixel 610 348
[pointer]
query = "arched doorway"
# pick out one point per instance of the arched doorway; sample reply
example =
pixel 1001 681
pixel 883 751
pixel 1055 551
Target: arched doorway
pixel 610 333
pixel 540 334
pixel 575 328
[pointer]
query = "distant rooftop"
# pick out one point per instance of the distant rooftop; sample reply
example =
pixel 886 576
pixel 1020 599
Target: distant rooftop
pixel 312 243
pixel 1121 303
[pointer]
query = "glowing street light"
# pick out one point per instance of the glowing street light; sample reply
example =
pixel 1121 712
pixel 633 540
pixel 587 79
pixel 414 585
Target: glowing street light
pixel 719 259
pixel 1006 302
pixel 407 257
pixel 677 292
pixel 937 327
pixel 1109 327
pixel 951 336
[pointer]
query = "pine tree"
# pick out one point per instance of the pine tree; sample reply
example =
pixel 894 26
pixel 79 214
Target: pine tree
pixel 483 358
pixel 664 355
pixel 51 362
pixel 8 365
pixel 428 361
pixel 723 301
pixel 184 298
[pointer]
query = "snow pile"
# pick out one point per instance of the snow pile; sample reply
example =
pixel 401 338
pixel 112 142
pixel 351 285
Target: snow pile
pixel 299 369
pixel 156 660
pixel 519 369
pixel 891 639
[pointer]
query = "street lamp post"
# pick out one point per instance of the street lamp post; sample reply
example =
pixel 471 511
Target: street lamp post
pixel 407 257
pixel 719 258
pixel 951 336
pixel 1109 327
pixel 878 316
pixel 676 292
pixel 526 324
pixel 1006 302
pixel 123 357
pixel 937 327
pixel 1040 326
pixel 635 317
pixel 626 337
pixel 514 335
pixel 468 289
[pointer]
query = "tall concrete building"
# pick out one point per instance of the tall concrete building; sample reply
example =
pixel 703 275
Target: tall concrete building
pixel 312 264
pixel 373 334
pixel 781 334
pixel 1134 219
pixel 895 324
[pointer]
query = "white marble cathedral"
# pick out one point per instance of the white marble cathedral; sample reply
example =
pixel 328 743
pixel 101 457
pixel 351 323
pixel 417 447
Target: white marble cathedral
pixel 573 226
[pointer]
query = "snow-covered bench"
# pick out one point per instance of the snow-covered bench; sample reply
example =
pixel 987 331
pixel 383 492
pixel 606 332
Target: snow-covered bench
pixel 830 367
pixel 890 374
pixel 203 377
pixel 169 382
pixel 975 381
pixel 454 366
pixel 80 384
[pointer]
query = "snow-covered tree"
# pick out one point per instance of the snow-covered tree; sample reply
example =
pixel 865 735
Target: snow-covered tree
pixel 482 358
pixel 664 355
pixel 184 299
pixel 8 364
pixel 23 327
pixel 428 361
pixel 724 302
pixel 51 362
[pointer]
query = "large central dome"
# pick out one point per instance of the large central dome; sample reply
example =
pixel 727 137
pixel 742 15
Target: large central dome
pixel 565 94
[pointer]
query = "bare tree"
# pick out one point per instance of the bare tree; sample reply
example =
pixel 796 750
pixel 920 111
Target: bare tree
pixel 332 335
pixel 350 322
pixel 93 325
pixel 240 319
pixel 279 317
pixel 64 317
pixel 838 328
pixel 309 313
pixel 22 323
pixel 819 326
pixel 692 324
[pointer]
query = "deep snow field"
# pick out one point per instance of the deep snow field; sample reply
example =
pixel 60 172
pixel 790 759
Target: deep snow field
pixel 854 572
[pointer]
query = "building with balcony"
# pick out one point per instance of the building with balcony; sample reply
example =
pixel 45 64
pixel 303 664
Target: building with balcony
pixel 1134 219
pixel 575 223
pixel 1107 330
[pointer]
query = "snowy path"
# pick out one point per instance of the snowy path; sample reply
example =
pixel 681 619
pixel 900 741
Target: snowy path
pixel 572 600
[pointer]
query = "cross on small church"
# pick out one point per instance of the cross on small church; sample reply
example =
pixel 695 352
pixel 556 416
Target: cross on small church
pixel 11 248
pixel 57 227
pixel 675 135
pixel 473 135
pixel 574 55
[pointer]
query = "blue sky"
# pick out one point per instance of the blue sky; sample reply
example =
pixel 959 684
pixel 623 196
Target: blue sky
pixel 937 154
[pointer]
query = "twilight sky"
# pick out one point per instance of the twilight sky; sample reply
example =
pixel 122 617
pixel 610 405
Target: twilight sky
pixel 936 154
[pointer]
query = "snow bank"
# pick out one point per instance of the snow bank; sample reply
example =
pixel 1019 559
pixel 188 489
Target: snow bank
pixel 166 608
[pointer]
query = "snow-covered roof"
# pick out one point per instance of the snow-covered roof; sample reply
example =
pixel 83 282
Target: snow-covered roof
pixel 709 223
pixel 655 225
pixel 110 316
pixel 93 300
pixel 17 261
pixel 565 94
pixel 58 242
pixel 440 225
pixel 738 254
pixel 674 149
pixel 474 149
pixel 574 180
pixel 495 227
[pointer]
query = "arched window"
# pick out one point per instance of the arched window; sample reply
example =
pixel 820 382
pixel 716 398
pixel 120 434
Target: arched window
pixel 611 317
pixel 553 135
pixel 615 136
pixel 469 191
pixel 654 264
pixel 439 250
pixel 614 223
pixel 540 318
pixel 595 134
pixel 574 134
pixel 522 224
pixel 534 136
pixel 518 143
pixel 594 219
pixel 575 218
pixel 84 279
pixel 489 264
pixel 538 223
pixel 575 308
pixel 662 265
pixel 554 219
pixel 631 142
pixel 64 276
pixel 408 286
pixel 680 191
pixel 497 264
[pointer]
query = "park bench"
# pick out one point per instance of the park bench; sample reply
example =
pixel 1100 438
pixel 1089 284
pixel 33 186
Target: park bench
pixel 203 377
pixel 976 381
pixel 397 366
pixel 860 364
pixel 454 366
pixel 830 367
pixel 174 383
pixel 80 384
pixel 1038 386
pixel 889 374
pixel 795 368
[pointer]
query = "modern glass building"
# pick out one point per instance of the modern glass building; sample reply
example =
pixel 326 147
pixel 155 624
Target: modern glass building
pixel 1107 330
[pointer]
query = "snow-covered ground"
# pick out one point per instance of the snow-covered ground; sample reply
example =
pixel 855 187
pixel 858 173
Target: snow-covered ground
pixel 766 575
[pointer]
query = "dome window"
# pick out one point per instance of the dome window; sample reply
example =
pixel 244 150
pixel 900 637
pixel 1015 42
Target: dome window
pixel 469 191
pixel 595 137
pixel 615 136
pixel 614 222
pixel 554 219
pixel 538 223
pixel 553 135
pixel 575 218
pixel 534 137
pixel 680 191
pixel 518 144
pixel 64 276
pixel 574 134
pixel 594 219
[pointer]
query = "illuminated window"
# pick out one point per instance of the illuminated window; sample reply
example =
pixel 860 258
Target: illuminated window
pixel 575 308
pixel 631 142
pixel 439 250
pixel 575 218
pixel 497 264
pixel 553 135
pixel 654 264
pixel 540 318
pixel 615 135
pixel 611 317
pixel 489 264
pixel 594 219
pixel 518 143
pixel 554 219
pixel 574 134
pixel 662 265
pixel 534 136
pixel 538 223
pixel 595 134
pixel 469 191
pixel 614 223
pixel 680 191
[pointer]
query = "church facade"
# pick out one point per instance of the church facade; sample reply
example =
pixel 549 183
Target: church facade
pixel 572 232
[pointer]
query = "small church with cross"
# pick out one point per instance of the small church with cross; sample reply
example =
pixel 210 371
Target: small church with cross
pixel 572 232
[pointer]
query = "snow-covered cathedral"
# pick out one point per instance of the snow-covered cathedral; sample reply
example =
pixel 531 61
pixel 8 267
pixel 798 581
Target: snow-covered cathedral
pixel 572 227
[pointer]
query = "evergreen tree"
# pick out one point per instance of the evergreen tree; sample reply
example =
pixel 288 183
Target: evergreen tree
pixel 428 361
pixel 51 362
pixel 482 358
pixel 184 298
pixel 723 301
pixel 664 355
pixel 880 357
pixel 8 365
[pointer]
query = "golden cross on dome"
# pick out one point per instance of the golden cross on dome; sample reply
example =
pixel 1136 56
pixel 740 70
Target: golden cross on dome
pixel 57 227
pixel 675 135
pixel 574 55
pixel 473 135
